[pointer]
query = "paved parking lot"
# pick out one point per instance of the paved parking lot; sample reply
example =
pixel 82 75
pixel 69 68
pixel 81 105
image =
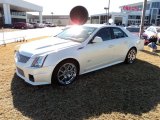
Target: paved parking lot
pixel 13 36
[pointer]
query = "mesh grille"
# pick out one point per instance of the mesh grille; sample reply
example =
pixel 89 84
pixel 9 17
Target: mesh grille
pixel 20 71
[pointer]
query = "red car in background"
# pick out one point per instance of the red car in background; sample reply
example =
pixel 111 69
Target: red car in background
pixel 22 25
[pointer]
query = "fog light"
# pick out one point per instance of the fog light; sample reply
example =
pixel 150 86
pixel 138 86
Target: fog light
pixel 31 78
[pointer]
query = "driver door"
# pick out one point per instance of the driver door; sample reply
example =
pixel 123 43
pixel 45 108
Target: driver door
pixel 94 55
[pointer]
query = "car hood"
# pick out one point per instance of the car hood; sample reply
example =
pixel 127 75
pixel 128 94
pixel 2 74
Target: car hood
pixel 46 45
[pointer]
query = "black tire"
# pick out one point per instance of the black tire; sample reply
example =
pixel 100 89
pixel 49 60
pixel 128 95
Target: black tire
pixel 68 75
pixel 131 56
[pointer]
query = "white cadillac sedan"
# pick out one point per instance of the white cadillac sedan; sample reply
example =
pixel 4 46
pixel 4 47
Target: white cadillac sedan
pixel 74 51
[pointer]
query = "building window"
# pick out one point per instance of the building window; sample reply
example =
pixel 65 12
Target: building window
pixel 147 17
pixel 139 7
pixel 156 5
pixel 103 19
pixel 138 17
pixel 95 19
pixel 148 7
pixel 131 17
pixel 154 16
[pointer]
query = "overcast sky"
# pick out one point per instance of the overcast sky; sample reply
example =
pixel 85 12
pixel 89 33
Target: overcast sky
pixel 63 7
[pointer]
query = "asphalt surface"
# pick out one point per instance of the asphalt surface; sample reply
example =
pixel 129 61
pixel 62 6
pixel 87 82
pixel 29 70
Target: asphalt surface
pixel 8 37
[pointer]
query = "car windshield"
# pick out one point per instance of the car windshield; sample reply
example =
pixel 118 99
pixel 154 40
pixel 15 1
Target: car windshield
pixel 133 29
pixel 158 30
pixel 76 33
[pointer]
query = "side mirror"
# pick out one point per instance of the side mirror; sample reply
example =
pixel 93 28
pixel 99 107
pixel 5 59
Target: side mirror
pixel 97 40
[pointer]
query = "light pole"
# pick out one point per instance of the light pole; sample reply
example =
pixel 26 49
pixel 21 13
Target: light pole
pixel 107 8
pixel 143 17
pixel 52 17
pixel 106 14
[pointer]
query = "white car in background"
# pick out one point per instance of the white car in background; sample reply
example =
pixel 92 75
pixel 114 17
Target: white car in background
pixel 74 51
pixel 152 31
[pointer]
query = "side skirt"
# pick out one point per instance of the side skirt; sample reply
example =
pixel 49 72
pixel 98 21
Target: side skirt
pixel 101 67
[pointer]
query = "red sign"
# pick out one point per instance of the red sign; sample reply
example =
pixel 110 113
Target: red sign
pixel 131 8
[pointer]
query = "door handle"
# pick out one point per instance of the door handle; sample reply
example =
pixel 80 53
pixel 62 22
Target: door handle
pixel 110 46
pixel 125 42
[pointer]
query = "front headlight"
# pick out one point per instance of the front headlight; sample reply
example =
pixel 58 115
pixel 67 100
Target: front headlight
pixel 38 61
pixel 17 56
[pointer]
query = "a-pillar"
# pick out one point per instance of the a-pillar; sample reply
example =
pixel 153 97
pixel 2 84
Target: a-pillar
pixel 40 17
pixel 7 13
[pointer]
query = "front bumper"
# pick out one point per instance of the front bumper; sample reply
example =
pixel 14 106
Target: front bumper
pixel 42 76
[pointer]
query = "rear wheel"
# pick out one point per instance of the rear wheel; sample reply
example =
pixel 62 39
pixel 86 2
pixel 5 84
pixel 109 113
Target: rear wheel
pixel 65 73
pixel 131 56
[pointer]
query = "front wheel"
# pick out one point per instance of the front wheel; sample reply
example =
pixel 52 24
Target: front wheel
pixel 65 73
pixel 131 56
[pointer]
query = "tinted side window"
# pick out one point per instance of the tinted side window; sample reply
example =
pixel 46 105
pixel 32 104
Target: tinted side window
pixel 153 30
pixel 118 33
pixel 104 33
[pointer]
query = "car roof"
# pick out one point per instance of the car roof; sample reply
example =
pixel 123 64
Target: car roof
pixel 98 25
pixel 154 27
pixel 103 25
pixel 132 27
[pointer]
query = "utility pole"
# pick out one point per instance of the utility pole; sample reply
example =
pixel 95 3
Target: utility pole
pixel 107 12
pixel 143 17
pixel 52 17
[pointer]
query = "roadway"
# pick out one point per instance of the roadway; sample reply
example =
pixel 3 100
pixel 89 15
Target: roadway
pixel 8 37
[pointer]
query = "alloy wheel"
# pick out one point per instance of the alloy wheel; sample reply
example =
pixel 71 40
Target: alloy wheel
pixel 67 73
pixel 132 56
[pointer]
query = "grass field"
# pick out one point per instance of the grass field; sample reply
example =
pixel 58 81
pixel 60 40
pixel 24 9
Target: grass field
pixel 118 92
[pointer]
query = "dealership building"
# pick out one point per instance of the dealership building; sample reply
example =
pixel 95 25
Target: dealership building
pixel 12 11
pixel 60 20
pixel 131 14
